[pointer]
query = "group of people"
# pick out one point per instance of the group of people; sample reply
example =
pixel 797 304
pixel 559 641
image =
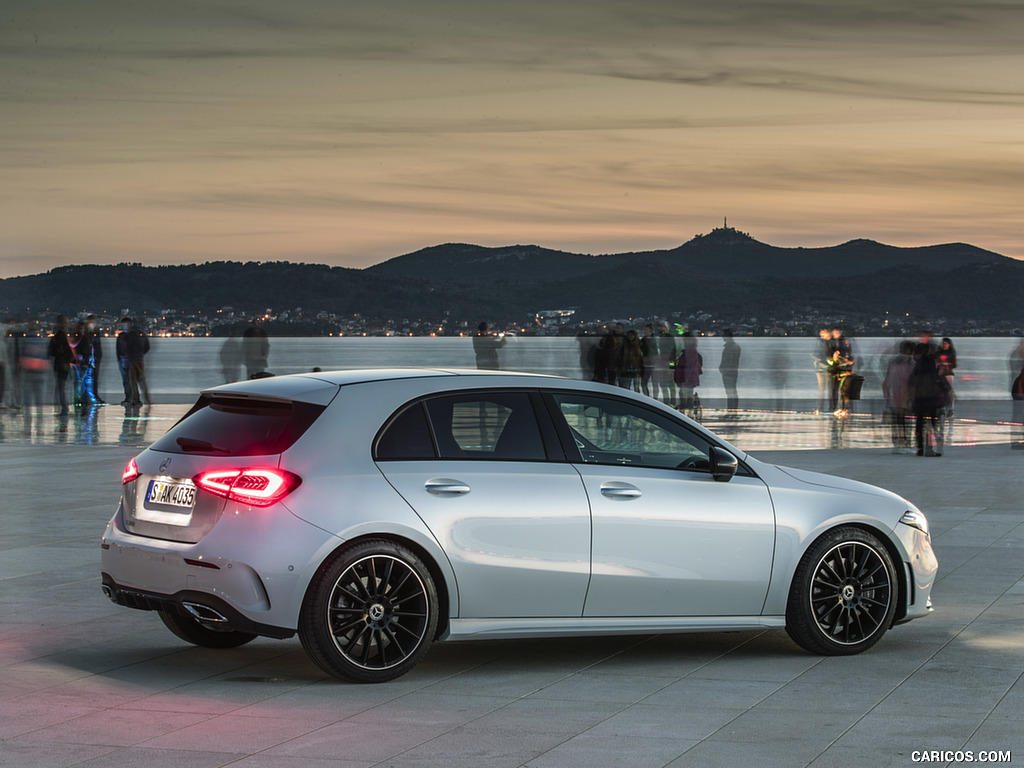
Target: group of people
pixel 918 384
pixel 834 369
pixel 657 362
pixel 72 358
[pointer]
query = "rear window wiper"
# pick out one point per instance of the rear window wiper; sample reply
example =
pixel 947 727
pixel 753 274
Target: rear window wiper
pixel 189 444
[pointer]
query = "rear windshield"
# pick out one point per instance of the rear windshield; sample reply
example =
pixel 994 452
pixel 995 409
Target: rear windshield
pixel 230 427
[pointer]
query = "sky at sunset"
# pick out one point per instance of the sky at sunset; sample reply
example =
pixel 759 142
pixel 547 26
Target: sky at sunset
pixel 347 133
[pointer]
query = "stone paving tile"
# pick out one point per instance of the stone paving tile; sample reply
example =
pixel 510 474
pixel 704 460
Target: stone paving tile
pixel 589 750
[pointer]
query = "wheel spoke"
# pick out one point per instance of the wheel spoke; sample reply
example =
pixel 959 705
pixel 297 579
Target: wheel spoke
pixel 397 588
pixel 870 577
pixel 373 581
pixel 385 582
pixel 368 646
pixel 863 565
pixel 343 628
pixel 827 566
pixel 393 640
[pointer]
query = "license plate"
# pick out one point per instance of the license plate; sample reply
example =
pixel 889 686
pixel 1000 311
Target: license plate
pixel 171 494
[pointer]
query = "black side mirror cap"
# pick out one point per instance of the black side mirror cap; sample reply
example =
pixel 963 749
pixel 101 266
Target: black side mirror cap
pixel 723 464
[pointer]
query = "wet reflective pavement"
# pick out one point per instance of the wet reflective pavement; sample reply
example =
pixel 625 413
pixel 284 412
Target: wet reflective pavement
pixel 749 430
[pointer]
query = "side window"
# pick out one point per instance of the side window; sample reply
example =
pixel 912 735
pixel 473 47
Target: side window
pixel 611 431
pixel 491 425
pixel 407 437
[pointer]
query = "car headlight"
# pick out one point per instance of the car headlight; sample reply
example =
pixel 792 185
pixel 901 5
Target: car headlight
pixel 916 519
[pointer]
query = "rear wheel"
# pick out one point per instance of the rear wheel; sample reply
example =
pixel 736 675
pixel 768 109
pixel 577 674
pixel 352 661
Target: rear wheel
pixel 843 595
pixel 370 613
pixel 191 631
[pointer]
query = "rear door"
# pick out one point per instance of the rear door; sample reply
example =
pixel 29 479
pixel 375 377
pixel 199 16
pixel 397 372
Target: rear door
pixel 514 520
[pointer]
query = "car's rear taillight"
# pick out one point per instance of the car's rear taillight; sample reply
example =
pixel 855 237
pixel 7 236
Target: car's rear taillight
pixel 256 487
pixel 131 471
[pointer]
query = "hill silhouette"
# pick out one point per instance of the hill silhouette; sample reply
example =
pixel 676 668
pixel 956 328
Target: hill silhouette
pixel 726 273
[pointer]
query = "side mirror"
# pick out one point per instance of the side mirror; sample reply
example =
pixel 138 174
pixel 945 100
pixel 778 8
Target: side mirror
pixel 723 464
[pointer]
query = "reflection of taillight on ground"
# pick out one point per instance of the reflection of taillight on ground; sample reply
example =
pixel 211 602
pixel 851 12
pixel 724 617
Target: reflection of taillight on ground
pixel 256 487
pixel 131 471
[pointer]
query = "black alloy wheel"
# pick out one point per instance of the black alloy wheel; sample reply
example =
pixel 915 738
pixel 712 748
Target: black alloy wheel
pixel 370 614
pixel 843 595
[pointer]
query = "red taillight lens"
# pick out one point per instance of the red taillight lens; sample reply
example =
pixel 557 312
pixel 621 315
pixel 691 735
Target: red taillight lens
pixel 131 471
pixel 256 487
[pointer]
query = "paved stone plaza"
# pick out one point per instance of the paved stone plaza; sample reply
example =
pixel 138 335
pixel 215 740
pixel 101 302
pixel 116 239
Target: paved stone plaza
pixel 86 683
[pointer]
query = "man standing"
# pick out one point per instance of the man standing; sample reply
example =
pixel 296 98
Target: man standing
pixel 256 345
pixel 729 367
pixel 136 347
pixel 486 346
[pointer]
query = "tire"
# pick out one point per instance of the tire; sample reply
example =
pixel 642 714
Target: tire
pixel 370 613
pixel 191 631
pixel 843 595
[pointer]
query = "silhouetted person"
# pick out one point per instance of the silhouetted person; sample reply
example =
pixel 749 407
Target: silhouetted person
pixel 631 362
pixel 928 387
pixel 136 348
pixel 96 347
pixel 486 346
pixel 231 358
pixel 729 367
pixel 606 358
pixel 665 359
pixel 840 369
pixel 898 396
pixel 587 342
pixel 1016 364
pixel 689 366
pixel 256 345
pixel 121 350
pixel 822 360
pixel 63 358
pixel 649 350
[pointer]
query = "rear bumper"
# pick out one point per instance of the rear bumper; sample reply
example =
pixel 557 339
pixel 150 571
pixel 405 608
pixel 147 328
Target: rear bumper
pixel 196 605
pixel 254 571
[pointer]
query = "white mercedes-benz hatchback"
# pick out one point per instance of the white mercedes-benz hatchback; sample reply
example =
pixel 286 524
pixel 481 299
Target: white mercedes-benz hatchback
pixel 375 512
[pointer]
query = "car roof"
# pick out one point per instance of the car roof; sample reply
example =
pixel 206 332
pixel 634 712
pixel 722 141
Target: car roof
pixel 321 386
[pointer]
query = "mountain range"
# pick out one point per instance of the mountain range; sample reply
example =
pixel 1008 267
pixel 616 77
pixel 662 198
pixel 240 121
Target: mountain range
pixel 725 273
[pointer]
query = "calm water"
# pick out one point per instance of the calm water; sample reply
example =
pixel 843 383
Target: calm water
pixel 770 368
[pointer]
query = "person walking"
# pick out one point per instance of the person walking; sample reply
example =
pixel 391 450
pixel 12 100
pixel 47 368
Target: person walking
pixel 822 360
pixel 136 349
pixel 688 368
pixel 898 397
pixel 63 358
pixel 631 363
pixel 96 352
pixel 928 387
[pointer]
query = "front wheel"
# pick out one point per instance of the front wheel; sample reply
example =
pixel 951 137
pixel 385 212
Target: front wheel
pixel 191 631
pixel 843 595
pixel 370 613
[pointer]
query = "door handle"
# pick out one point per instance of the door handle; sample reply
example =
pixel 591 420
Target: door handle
pixel 618 490
pixel 444 486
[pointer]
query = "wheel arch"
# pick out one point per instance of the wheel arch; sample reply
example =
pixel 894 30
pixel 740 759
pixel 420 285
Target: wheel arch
pixel 898 560
pixel 436 572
